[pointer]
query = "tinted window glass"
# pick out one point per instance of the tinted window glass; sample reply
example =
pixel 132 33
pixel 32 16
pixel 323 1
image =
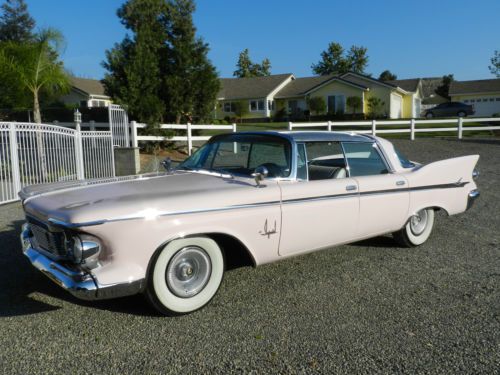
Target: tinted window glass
pixel 301 162
pixel 363 159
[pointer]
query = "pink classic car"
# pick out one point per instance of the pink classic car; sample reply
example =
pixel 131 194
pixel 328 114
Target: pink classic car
pixel 261 196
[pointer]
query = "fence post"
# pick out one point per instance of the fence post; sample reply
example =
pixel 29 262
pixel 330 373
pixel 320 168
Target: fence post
pixel 14 158
pixel 412 129
pixel 290 126
pixel 235 145
pixel 374 127
pixel 80 171
pixel 460 127
pixel 189 137
pixel 133 133
pixel 329 126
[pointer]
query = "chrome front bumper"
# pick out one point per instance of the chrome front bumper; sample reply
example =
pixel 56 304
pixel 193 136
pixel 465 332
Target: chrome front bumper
pixel 80 284
pixel 473 195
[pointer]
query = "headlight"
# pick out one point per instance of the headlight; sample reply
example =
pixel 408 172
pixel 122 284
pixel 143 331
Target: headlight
pixel 85 250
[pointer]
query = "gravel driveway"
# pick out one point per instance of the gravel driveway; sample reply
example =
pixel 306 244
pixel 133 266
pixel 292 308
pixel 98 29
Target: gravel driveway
pixel 370 307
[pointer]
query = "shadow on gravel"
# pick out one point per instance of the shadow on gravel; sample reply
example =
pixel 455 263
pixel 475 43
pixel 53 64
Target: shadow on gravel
pixel 382 241
pixel 19 280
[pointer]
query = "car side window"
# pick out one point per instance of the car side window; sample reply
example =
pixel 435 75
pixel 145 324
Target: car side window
pixel 325 160
pixel 301 162
pixel 364 159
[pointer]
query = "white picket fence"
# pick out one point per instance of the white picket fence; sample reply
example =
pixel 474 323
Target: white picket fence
pixel 40 153
pixel 189 138
pixel 402 126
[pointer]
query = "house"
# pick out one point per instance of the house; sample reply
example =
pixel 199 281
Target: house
pixel 86 92
pixel 483 95
pixel 284 93
pixel 256 93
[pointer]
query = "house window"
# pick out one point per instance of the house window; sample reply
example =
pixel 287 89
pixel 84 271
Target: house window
pixel 492 99
pixel 270 105
pixel 95 103
pixel 257 105
pixel 336 103
pixel 228 107
pixel 498 99
pixel 472 100
pixel 466 101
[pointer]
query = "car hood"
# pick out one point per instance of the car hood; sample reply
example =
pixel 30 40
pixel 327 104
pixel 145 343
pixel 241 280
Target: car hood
pixel 142 196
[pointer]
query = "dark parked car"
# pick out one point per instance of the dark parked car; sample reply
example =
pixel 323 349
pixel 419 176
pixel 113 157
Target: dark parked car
pixel 450 109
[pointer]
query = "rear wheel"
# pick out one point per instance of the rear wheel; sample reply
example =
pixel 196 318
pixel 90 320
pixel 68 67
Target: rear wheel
pixel 417 230
pixel 429 115
pixel 185 275
pixel 461 114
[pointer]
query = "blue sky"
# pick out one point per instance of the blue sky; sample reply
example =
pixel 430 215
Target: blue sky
pixel 411 38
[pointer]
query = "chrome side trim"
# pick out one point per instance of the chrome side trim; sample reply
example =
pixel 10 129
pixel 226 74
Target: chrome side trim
pixel 80 284
pixel 255 205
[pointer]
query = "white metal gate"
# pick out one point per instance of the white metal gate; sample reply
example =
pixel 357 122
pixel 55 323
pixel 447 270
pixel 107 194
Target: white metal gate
pixel 118 124
pixel 39 153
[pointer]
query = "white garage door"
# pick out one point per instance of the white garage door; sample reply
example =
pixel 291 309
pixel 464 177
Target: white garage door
pixel 396 106
pixel 486 106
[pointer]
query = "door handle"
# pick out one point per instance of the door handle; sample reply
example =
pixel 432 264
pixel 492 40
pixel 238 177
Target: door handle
pixel 400 183
pixel 350 187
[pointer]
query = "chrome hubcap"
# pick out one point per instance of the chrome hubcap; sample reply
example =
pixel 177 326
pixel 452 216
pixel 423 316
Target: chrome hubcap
pixel 418 222
pixel 188 271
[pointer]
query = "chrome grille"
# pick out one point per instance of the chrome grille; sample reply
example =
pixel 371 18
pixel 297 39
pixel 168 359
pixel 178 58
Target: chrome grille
pixel 50 241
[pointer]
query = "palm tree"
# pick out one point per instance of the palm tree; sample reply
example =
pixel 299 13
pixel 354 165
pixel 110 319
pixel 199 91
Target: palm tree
pixel 35 66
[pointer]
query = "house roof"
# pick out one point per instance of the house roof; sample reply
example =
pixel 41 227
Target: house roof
pixel 248 88
pixel 301 86
pixel 406 84
pixel 474 87
pixel 88 86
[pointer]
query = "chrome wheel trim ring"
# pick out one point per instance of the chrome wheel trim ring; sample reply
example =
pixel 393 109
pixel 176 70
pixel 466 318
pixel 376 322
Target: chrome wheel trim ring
pixel 418 222
pixel 188 272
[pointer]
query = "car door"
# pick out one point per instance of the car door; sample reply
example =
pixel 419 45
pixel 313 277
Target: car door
pixel 383 196
pixel 318 213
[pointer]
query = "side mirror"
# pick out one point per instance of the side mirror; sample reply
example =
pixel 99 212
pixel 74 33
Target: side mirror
pixel 260 174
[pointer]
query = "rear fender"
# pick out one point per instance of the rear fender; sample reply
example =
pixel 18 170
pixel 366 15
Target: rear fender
pixel 444 184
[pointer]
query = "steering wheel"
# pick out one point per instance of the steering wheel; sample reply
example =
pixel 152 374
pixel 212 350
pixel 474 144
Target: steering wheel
pixel 274 169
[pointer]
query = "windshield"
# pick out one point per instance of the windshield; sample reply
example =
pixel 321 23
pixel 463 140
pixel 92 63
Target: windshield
pixel 240 154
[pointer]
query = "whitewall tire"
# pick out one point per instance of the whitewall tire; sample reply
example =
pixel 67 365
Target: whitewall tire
pixel 417 230
pixel 185 275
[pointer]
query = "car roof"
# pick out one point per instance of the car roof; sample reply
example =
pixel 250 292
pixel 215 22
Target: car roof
pixel 312 136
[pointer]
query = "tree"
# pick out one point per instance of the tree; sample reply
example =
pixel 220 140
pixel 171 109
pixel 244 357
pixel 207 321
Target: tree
pixel 246 68
pixel 444 88
pixel 16 25
pixel 375 107
pixel 354 102
pixel 386 75
pixel 336 61
pixel 495 64
pixel 316 104
pixel 133 66
pixel 35 67
pixel 161 71
pixel 240 109
pixel 191 81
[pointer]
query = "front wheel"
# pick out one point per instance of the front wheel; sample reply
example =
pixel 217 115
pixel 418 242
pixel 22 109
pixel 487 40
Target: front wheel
pixel 185 275
pixel 417 230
